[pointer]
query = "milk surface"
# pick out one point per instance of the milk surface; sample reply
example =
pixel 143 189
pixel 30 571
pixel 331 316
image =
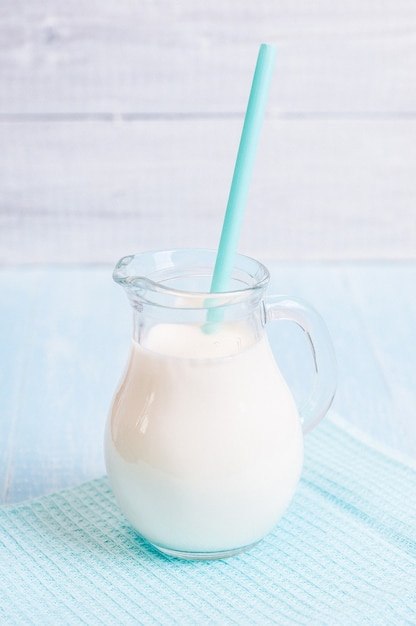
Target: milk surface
pixel 203 444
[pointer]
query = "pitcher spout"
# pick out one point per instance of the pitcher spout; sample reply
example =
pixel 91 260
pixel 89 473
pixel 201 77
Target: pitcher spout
pixel 122 271
pixel 128 277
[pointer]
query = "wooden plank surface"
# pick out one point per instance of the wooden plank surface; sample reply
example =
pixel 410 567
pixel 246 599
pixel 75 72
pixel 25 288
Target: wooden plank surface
pixel 118 56
pixel 66 334
pixel 119 126
pixel 119 123
pixel 65 368
pixel 93 191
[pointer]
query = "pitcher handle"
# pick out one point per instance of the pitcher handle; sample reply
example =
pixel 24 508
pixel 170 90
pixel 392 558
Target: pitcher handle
pixel 323 355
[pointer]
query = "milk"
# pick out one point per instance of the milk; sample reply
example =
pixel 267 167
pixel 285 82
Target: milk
pixel 203 444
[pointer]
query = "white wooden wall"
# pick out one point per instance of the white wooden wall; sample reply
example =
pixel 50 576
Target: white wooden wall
pixel 120 122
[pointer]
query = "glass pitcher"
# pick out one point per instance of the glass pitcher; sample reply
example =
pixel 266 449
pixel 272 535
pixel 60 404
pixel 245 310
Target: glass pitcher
pixel 204 442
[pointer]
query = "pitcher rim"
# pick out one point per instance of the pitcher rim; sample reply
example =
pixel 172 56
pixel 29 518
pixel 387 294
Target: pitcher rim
pixel 142 279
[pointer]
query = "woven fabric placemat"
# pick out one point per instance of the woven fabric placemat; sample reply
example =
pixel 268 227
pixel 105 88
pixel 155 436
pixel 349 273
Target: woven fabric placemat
pixel 344 553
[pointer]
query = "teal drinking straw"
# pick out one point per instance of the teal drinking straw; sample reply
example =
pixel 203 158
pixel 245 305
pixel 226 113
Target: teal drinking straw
pixel 243 168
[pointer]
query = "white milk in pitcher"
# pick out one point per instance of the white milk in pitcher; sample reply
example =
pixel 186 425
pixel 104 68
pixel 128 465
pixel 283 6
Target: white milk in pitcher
pixel 204 444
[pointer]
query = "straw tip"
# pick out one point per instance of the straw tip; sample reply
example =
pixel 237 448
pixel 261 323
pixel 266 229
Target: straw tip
pixel 267 54
pixel 269 47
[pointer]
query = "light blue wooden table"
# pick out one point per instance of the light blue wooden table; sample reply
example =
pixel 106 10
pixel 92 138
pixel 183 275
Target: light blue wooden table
pixel 65 337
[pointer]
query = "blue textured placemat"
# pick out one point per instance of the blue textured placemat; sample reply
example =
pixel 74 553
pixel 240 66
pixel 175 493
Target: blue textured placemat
pixel 344 553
